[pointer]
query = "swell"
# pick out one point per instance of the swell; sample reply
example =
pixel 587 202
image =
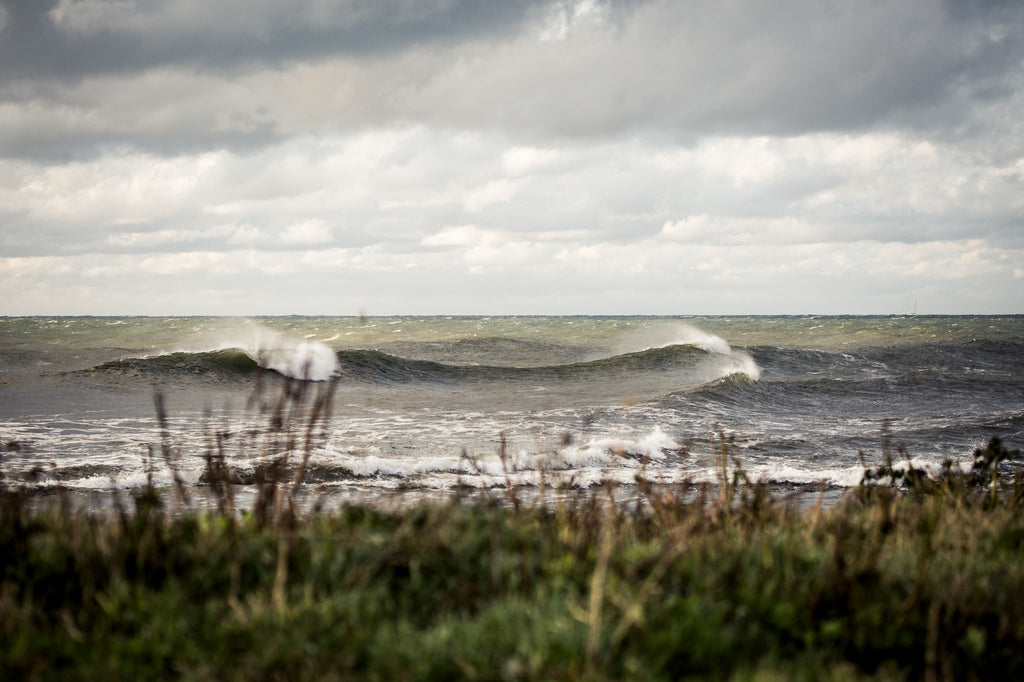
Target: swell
pixel 378 367
pixel 1003 356
pixel 225 363
pixel 929 396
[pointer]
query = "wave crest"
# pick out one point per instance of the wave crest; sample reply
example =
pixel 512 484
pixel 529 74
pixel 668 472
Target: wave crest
pixel 306 360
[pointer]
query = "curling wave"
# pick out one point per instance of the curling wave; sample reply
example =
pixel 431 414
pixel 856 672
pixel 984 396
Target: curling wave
pixel 308 361
pixel 316 361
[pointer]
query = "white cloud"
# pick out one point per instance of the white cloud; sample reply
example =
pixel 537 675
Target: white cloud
pixel 491 192
pixel 33 269
pixel 519 255
pixel 491 250
pixel 731 230
pixel 245 235
pixel 462 235
pixel 156 238
pixel 743 161
pixel 313 231
pixel 118 189
pixel 820 207
pixel 519 161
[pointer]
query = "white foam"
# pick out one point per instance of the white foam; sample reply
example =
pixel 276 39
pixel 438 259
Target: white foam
pixel 295 358
pixel 692 336
pixel 298 359
pixel 309 360
pixel 743 363
pixel 590 463
pixel 686 335
pixel 681 334
pixel 628 452
pixel 128 480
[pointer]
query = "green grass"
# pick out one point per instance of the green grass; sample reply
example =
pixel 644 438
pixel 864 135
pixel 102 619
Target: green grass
pixel 923 583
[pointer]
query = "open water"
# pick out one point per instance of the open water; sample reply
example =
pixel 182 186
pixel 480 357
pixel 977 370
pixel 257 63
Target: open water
pixel 422 405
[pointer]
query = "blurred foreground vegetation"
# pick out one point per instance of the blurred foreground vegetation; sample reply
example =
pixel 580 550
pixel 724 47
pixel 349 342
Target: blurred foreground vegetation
pixel 912 576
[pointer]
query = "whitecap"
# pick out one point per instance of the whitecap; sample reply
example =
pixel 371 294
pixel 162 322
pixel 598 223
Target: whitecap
pixel 308 360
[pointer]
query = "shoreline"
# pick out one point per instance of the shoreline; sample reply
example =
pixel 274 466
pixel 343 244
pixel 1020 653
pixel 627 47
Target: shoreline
pixel 314 498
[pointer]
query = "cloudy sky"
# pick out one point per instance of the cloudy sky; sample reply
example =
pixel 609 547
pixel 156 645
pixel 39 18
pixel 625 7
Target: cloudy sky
pixel 511 156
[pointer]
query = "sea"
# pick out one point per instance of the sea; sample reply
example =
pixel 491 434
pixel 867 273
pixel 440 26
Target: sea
pixel 415 408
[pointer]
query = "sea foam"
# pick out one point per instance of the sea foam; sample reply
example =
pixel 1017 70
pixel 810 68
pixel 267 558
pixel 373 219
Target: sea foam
pixel 308 360
pixel 739 361
pixel 298 359
pixel 689 335
pixel 730 360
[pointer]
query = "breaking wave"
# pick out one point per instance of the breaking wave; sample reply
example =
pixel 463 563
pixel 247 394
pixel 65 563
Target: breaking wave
pixel 315 361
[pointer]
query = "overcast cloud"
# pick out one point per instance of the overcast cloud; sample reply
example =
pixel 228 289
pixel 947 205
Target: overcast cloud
pixel 498 157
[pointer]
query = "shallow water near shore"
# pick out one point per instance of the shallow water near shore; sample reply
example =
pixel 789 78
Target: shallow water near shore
pixel 425 405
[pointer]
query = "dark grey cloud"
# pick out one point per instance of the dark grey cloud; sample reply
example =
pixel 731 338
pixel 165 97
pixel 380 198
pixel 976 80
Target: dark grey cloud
pixel 81 77
pixel 49 47
pixel 756 68
pixel 69 39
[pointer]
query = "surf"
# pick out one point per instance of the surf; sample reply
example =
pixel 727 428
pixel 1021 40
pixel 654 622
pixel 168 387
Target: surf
pixel 302 359
pixel 647 373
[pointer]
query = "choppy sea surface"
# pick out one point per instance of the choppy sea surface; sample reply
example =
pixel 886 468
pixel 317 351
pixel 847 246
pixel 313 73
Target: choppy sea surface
pixel 422 405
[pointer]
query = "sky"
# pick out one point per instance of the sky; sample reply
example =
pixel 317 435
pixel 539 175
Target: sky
pixel 493 157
